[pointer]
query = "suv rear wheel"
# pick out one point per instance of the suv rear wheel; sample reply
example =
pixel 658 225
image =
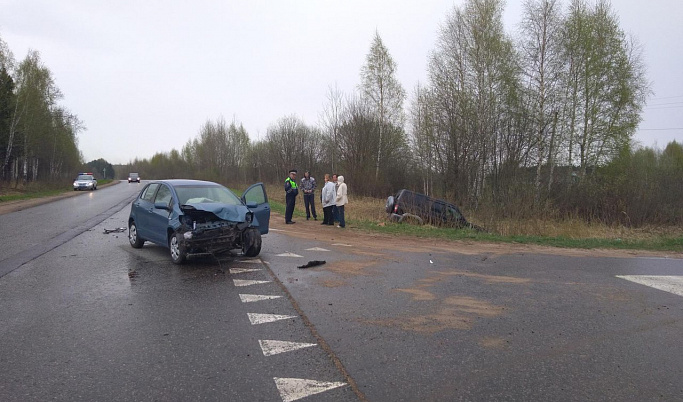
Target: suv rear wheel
pixel 389 207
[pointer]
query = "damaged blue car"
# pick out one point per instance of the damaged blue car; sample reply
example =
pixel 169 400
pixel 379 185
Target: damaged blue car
pixel 193 217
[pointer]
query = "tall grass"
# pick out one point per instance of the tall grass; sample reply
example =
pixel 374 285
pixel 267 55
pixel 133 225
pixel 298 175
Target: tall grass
pixel 368 213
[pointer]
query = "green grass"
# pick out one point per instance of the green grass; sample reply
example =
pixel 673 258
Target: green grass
pixel 39 192
pixel 401 229
pixel 30 195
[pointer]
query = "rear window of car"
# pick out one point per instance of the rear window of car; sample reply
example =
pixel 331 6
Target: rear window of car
pixel 206 194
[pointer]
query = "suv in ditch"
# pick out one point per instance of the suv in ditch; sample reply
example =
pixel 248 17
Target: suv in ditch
pixel 408 205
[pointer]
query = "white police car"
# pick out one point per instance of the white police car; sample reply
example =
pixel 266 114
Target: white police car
pixel 85 181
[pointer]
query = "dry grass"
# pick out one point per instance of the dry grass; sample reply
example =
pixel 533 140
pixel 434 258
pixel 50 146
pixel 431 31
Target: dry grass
pixel 370 210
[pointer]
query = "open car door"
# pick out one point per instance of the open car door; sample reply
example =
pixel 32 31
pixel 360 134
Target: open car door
pixel 256 200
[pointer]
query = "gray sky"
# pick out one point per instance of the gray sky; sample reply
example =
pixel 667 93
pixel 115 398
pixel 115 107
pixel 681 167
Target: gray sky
pixel 144 76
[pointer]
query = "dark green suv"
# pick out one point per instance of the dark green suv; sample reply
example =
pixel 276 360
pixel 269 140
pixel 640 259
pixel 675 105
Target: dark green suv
pixel 408 205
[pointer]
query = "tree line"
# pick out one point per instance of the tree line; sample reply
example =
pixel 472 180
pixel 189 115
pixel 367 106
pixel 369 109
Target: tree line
pixel 537 124
pixel 38 137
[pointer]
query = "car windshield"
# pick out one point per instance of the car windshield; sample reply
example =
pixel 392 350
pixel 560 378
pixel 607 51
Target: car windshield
pixel 84 177
pixel 206 194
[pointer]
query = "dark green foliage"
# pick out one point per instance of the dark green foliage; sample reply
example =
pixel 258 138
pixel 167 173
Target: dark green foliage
pixel 101 169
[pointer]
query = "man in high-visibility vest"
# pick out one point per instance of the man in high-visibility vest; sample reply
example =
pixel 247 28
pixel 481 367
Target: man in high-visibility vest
pixel 291 191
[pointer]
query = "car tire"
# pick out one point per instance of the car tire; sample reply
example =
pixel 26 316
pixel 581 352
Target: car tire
pixel 251 242
pixel 135 240
pixel 178 252
pixel 411 219
pixel 389 207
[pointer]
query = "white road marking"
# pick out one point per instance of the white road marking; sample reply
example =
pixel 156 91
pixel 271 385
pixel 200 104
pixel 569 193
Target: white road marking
pixel 254 298
pixel 292 389
pixel 671 284
pixel 271 348
pixel 342 244
pixel 266 318
pixel 253 261
pixel 244 282
pixel 290 255
pixel 242 270
pixel 275 230
pixel 317 249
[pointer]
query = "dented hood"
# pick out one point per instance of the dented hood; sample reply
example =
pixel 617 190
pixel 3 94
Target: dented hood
pixel 233 213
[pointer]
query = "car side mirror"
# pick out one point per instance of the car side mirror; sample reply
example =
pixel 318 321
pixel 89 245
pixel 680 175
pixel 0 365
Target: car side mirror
pixel 252 204
pixel 161 205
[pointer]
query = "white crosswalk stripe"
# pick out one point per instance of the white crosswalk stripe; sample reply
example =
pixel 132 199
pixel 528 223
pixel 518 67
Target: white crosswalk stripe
pixel 270 347
pixel 246 298
pixel 292 389
pixel 256 319
pixel 671 284
pixel 243 270
pixel 289 255
pixel 245 282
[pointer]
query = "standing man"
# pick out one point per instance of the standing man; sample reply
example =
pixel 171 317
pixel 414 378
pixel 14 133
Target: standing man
pixel 291 191
pixel 329 195
pixel 335 210
pixel 308 186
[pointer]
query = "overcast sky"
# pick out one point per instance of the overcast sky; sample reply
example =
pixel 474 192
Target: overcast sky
pixel 144 76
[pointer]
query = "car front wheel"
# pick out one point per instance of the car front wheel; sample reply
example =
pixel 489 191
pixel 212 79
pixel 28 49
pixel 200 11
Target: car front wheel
pixel 178 253
pixel 135 240
pixel 251 242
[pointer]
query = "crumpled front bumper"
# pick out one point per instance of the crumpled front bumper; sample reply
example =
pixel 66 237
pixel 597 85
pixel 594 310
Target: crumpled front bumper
pixel 213 237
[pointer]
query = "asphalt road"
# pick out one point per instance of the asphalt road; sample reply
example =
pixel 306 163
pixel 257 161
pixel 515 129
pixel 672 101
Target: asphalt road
pixel 86 317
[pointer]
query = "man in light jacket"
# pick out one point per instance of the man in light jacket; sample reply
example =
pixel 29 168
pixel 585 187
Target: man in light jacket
pixel 341 200
pixel 329 194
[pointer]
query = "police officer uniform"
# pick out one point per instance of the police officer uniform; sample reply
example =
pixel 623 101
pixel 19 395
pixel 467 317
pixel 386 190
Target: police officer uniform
pixel 291 191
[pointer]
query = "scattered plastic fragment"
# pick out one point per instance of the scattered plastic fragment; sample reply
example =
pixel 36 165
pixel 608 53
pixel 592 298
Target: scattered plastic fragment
pixel 313 263
pixel 117 230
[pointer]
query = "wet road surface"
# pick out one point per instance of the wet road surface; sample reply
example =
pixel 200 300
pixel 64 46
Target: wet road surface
pixel 94 319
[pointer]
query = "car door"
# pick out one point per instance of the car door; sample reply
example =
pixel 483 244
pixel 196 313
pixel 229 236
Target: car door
pixel 144 208
pixel 256 199
pixel 158 219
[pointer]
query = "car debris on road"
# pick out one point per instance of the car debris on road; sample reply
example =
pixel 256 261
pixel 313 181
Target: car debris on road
pixel 311 264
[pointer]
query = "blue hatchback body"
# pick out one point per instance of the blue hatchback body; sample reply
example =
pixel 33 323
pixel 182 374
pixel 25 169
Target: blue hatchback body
pixel 199 217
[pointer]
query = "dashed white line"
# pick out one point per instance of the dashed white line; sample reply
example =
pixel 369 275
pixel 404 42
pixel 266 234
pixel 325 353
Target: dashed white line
pixel 342 244
pixel 245 282
pixel 671 284
pixel 254 298
pixel 256 319
pixel 243 270
pixel 289 255
pixel 292 389
pixel 317 249
pixel 271 347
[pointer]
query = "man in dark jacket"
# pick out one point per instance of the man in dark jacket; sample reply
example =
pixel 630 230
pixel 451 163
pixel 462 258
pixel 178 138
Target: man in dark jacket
pixel 308 186
pixel 291 191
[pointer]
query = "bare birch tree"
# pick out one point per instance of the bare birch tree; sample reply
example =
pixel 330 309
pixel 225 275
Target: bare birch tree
pixel 383 92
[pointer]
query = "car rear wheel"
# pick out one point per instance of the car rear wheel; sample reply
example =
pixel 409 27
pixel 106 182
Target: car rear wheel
pixel 251 242
pixel 389 207
pixel 135 240
pixel 178 253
